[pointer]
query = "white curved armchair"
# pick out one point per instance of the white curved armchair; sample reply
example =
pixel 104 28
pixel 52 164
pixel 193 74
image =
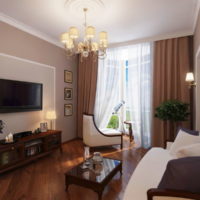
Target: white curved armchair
pixel 94 137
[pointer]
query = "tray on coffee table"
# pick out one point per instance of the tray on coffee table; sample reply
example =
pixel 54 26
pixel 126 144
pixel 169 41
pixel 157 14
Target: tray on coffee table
pixel 95 177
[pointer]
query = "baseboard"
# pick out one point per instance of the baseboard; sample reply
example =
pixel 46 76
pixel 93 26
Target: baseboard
pixel 77 138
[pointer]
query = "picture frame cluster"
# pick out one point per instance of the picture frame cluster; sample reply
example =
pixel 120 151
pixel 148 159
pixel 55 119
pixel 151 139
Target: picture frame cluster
pixel 68 93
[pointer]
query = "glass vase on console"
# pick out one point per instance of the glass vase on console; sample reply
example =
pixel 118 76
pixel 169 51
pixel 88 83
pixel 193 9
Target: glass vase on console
pixel 86 155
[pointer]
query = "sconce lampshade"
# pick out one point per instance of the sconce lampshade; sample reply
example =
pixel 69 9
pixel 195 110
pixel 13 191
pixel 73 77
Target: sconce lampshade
pixel 51 115
pixel 189 77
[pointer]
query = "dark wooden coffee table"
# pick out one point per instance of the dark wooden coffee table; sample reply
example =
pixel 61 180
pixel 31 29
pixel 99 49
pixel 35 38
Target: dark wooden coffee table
pixel 95 179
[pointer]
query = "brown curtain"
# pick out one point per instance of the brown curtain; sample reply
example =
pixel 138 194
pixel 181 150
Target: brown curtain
pixel 172 60
pixel 87 81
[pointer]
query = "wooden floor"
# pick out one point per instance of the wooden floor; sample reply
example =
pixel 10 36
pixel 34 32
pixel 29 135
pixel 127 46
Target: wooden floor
pixel 44 178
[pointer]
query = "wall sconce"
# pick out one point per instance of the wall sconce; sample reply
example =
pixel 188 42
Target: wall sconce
pixel 190 79
pixel 51 115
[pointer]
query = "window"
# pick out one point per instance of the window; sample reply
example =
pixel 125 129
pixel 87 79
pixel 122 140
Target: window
pixel 126 74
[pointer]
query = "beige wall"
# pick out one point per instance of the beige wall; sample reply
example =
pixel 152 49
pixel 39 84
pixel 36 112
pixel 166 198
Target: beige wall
pixel 197 71
pixel 14 68
pixel 197 35
pixel 17 43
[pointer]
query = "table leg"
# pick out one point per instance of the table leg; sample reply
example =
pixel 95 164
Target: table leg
pixel 67 183
pixel 121 171
pixel 99 195
pixel 131 133
pixel 66 187
pixel 61 150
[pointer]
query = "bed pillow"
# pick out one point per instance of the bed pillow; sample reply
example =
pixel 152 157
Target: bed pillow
pixel 187 151
pixel 191 132
pixel 183 139
pixel 182 174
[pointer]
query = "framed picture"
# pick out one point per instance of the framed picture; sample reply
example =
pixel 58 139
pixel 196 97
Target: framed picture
pixel 68 93
pixel 68 109
pixel 43 127
pixel 68 76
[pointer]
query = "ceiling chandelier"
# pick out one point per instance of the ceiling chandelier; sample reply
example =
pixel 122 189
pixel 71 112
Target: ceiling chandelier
pixel 88 45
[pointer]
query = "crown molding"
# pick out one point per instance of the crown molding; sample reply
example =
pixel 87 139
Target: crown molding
pixel 13 22
pixel 196 14
pixel 152 39
pixel 26 60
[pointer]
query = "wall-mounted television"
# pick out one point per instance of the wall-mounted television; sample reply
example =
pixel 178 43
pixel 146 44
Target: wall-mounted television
pixel 19 96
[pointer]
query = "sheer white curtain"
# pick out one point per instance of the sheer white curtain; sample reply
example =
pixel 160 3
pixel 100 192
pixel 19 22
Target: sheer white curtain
pixel 126 74
pixel 139 91
pixel 109 84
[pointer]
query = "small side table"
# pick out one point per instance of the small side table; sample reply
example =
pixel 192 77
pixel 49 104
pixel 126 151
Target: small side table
pixel 130 130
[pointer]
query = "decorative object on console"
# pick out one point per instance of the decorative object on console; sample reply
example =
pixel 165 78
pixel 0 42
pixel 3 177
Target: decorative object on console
pixel 97 158
pixel 68 109
pixel 86 155
pixel 44 127
pixel 87 46
pixel 17 136
pixel 68 76
pixel 9 138
pixel 68 93
pixel 190 79
pixel 51 115
pixel 1 126
pixel 37 130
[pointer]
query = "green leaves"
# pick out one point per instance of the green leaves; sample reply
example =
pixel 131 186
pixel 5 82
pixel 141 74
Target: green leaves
pixel 173 110
pixel 114 122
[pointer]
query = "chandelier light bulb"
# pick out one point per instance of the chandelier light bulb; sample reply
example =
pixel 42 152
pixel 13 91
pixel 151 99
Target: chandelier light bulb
pixel 70 44
pixel 95 46
pixel 85 54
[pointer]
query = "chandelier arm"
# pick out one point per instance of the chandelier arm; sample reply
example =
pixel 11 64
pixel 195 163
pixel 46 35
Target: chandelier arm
pixel 87 46
pixel 85 16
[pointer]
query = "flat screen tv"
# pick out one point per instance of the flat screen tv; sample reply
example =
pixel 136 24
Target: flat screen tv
pixel 18 96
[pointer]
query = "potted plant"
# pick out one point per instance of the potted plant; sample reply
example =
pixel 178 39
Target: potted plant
pixel 174 111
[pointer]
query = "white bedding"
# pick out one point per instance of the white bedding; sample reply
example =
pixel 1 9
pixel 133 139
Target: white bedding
pixel 147 174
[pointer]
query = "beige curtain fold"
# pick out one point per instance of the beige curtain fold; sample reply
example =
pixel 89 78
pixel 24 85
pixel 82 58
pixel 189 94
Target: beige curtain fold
pixel 172 60
pixel 87 82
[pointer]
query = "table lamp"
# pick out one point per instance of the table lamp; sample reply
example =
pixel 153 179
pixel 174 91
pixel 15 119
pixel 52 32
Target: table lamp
pixel 51 115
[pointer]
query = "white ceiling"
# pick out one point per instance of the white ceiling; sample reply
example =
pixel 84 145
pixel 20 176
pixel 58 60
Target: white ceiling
pixel 124 20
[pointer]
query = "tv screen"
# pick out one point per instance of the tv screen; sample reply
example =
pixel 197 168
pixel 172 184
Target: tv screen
pixel 18 96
